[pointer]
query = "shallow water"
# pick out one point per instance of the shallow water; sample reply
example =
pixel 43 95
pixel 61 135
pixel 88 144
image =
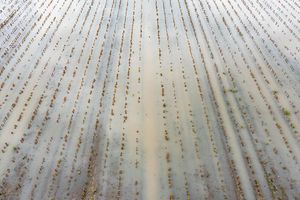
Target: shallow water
pixel 149 99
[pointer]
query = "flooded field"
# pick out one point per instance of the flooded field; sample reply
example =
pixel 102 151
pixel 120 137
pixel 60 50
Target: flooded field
pixel 149 99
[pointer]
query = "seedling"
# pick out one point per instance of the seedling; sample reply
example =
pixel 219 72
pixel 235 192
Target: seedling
pixel 233 90
pixel 286 112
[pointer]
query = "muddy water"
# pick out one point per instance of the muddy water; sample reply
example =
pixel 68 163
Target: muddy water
pixel 149 99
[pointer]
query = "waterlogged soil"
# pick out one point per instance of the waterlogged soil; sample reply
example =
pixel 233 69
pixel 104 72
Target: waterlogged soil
pixel 147 99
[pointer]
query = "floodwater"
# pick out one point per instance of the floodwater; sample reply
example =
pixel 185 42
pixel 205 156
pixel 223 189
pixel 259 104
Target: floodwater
pixel 149 99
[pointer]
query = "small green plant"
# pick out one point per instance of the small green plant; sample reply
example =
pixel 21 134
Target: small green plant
pixel 233 90
pixel 274 92
pixel 286 112
pixel 293 126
